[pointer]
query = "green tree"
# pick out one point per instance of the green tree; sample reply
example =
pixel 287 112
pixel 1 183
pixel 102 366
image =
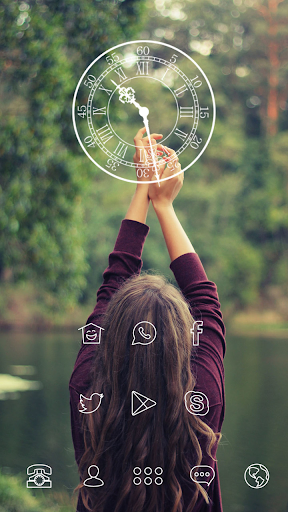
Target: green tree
pixel 43 171
pixel 235 198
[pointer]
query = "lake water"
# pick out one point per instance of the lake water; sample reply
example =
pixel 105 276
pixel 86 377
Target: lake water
pixel 35 424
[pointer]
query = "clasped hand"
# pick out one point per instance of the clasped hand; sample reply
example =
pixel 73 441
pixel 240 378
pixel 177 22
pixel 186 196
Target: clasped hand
pixel 168 169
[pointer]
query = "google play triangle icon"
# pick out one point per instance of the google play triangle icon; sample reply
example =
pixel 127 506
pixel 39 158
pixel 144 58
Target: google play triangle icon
pixel 140 403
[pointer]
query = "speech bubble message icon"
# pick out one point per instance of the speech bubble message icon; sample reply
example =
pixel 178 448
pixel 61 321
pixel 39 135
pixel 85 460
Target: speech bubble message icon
pixel 144 333
pixel 202 474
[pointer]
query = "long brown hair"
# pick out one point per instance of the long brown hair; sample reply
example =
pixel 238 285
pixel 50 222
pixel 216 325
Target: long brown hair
pixel 164 436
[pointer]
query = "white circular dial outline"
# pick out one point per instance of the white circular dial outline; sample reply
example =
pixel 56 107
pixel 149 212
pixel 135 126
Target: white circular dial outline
pixel 160 43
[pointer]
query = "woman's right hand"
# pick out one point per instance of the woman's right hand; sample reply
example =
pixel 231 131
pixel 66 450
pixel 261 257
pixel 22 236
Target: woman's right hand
pixel 164 195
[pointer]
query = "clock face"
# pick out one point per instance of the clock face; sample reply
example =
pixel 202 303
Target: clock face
pixel 142 82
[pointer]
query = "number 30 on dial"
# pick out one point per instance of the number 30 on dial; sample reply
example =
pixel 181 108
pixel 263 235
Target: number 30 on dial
pixel 138 82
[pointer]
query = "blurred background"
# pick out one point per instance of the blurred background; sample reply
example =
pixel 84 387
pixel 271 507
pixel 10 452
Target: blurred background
pixel 59 217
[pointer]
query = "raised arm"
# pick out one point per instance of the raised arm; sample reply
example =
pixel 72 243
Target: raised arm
pixel 140 202
pixel 125 260
pixel 162 198
pixel 186 265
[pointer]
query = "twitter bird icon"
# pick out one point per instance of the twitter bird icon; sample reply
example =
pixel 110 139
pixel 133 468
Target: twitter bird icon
pixel 89 405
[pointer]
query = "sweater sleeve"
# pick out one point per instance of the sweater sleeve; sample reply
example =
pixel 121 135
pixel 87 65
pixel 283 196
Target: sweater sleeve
pixel 202 296
pixel 124 261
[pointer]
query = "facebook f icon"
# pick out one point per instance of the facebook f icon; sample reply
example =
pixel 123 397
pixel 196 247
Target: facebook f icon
pixel 196 330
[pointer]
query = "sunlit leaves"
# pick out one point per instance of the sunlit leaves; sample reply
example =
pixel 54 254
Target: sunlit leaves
pixel 44 47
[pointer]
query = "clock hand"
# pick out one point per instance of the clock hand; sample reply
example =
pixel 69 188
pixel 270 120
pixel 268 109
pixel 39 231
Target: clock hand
pixel 146 124
pixel 127 95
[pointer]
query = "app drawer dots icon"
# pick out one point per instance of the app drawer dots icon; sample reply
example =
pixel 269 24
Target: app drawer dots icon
pixel 148 476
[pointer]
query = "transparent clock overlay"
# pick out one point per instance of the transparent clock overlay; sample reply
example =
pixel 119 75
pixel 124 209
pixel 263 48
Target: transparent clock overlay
pixel 136 84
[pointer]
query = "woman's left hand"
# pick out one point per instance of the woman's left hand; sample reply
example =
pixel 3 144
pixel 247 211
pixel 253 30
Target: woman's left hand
pixel 140 202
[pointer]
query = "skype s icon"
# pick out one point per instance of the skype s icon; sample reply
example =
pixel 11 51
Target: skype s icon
pixel 144 333
pixel 39 476
pixel 196 403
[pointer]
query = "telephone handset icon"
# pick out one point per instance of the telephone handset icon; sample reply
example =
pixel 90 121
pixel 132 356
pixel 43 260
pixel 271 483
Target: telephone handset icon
pixel 142 333
pixel 39 476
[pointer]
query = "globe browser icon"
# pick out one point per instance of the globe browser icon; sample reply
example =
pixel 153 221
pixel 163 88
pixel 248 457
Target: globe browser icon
pixel 256 476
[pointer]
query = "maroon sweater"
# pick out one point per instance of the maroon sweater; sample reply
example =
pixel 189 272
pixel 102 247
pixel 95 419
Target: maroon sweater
pixel 207 365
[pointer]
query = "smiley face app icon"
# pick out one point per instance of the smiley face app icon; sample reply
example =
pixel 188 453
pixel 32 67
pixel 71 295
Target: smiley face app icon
pixel 196 403
pixel 202 474
pixel 144 333
pixel 91 334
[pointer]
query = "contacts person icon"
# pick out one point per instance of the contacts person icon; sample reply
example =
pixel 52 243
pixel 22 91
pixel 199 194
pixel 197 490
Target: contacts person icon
pixel 93 481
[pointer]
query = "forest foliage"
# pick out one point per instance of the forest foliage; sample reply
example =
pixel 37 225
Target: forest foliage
pixel 60 215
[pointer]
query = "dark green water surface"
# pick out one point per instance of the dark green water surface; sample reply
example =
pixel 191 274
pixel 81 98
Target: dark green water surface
pixel 35 425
